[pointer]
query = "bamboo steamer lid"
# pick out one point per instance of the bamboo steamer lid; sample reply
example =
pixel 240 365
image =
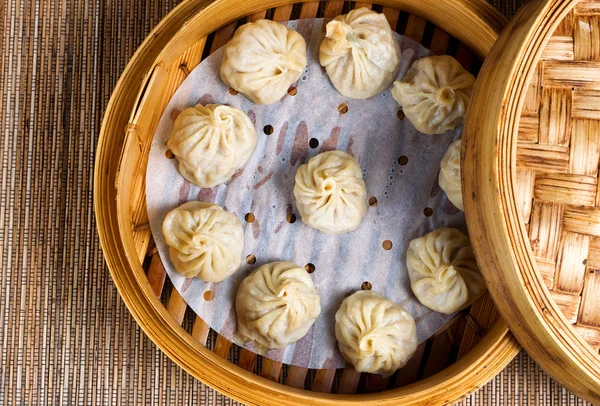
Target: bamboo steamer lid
pixel 531 189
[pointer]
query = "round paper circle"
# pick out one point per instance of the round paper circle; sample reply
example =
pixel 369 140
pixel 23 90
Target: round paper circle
pixel 400 168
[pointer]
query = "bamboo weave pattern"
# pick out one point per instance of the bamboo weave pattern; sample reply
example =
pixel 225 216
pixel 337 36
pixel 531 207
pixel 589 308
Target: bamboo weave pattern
pixel 558 152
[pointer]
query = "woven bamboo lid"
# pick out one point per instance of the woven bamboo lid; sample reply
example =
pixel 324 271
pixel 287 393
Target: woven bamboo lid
pixel 531 185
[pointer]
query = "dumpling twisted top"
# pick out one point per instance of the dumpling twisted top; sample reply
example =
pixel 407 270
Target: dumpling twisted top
pixel 360 53
pixel 204 241
pixel 211 143
pixel 374 334
pixel 276 305
pixel 443 272
pixel 262 60
pixel 449 178
pixel 330 192
pixel 435 94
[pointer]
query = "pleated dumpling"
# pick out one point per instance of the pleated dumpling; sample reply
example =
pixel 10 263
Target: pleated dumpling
pixel 330 193
pixel 204 241
pixel 374 334
pixel 449 178
pixel 435 94
pixel 211 143
pixel 443 272
pixel 275 306
pixel 262 60
pixel 360 53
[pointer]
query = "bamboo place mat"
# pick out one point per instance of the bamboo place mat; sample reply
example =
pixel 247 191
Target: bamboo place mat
pixel 66 336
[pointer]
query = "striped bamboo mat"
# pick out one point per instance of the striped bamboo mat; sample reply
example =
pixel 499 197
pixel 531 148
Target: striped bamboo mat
pixel 66 336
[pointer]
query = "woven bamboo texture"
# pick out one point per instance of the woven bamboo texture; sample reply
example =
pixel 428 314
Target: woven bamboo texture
pixel 67 338
pixel 557 168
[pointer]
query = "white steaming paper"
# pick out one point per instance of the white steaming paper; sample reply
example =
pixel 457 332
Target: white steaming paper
pixel 370 131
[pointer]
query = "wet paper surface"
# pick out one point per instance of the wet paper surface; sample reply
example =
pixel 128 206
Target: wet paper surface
pixel 400 168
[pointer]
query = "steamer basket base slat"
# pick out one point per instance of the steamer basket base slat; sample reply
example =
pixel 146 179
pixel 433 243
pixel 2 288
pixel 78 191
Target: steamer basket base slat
pixel 461 356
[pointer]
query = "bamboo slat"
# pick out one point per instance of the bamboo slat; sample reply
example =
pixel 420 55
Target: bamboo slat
pixel 222 347
pixel 296 377
pixel 247 360
pixel 177 306
pixel 410 372
pixel 333 9
pixel 157 274
pixel 271 369
pixel 309 9
pixel 349 381
pixel 200 331
pixel 323 380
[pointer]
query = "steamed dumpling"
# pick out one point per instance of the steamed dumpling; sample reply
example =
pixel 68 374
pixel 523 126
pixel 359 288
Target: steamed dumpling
pixel 443 272
pixel 204 241
pixel 275 305
pixel 360 53
pixel 262 60
pixel 374 334
pixel 435 94
pixel 211 143
pixel 330 193
pixel 449 178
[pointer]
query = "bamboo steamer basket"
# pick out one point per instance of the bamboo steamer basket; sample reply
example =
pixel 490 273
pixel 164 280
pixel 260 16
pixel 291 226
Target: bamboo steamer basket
pixel 530 179
pixel 461 357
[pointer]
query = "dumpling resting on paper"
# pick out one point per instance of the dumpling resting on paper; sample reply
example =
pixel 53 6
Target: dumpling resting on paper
pixel 204 241
pixel 449 178
pixel 211 143
pixel 330 193
pixel 435 93
pixel 275 305
pixel 360 53
pixel 443 273
pixel 262 60
pixel 374 334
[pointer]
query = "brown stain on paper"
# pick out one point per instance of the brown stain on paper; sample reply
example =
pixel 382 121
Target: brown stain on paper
pixel 208 195
pixel 186 284
pixel 262 182
pixel 174 114
pixel 255 229
pixel 252 116
pixel 450 208
pixel 300 146
pixel 281 139
pixel 184 191
pixel 278 228
pixel 349 149
pixel 331 142
pixel 206 98
pixel 235 176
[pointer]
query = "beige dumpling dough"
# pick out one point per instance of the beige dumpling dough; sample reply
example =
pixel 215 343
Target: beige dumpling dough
pixel 211 143
pixel 360 53
pixel 262 60
pixel 204 241
pixel 443 272
pixel 449 178
pixel 435 94
pixel 375 334
pixel 275 306
pixel 330 193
